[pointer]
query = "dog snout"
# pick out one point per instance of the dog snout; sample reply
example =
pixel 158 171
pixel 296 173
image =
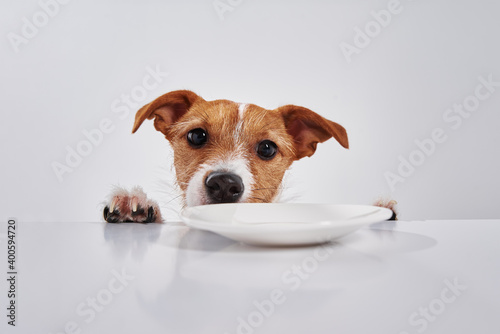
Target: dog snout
pixel 224 187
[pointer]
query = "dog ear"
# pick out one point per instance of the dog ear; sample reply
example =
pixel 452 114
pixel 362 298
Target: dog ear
pixel 308 129
pixel 166 109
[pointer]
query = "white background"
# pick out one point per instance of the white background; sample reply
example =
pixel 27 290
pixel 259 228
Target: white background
pixel 396 90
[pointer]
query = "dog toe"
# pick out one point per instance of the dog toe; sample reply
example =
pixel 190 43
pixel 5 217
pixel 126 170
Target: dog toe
pixel 111 217
pixel 138 212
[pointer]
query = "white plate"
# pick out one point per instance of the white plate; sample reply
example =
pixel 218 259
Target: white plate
pixel 282 224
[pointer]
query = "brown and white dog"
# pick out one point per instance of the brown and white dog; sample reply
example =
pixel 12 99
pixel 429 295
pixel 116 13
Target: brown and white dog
pixel 225 152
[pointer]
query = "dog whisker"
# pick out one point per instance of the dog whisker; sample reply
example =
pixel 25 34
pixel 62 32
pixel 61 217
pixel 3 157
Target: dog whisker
pixel 173 199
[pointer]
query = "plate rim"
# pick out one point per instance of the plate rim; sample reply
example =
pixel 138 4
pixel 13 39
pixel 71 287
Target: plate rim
pixel 380 215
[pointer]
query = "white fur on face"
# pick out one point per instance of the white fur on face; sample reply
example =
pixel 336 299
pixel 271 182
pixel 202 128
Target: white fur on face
pixel 238 131
pixel 241 110
pixel 235 163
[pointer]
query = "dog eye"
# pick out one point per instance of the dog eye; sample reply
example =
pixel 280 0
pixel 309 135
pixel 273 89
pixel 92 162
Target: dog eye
pixel 197 137
pixel 266 149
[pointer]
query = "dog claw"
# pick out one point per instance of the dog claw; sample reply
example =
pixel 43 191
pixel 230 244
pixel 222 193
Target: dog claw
pixel 394 216
pixel 105 213
pixel 151 215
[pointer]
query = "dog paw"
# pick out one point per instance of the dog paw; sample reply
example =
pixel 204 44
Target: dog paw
pixel 131 207
pixel 389 204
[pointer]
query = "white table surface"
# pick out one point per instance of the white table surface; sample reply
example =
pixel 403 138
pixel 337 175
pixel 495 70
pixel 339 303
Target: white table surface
pixel 383 279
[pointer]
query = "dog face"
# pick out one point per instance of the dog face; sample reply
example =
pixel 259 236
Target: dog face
pixel 226 152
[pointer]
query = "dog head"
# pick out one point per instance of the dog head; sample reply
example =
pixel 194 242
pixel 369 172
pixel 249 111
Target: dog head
pixel 227 152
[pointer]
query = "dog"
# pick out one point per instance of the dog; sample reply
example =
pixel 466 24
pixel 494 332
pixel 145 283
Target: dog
pixel 225 152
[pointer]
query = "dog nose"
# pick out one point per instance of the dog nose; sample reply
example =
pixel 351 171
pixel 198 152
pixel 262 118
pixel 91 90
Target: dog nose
pixel 224 187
